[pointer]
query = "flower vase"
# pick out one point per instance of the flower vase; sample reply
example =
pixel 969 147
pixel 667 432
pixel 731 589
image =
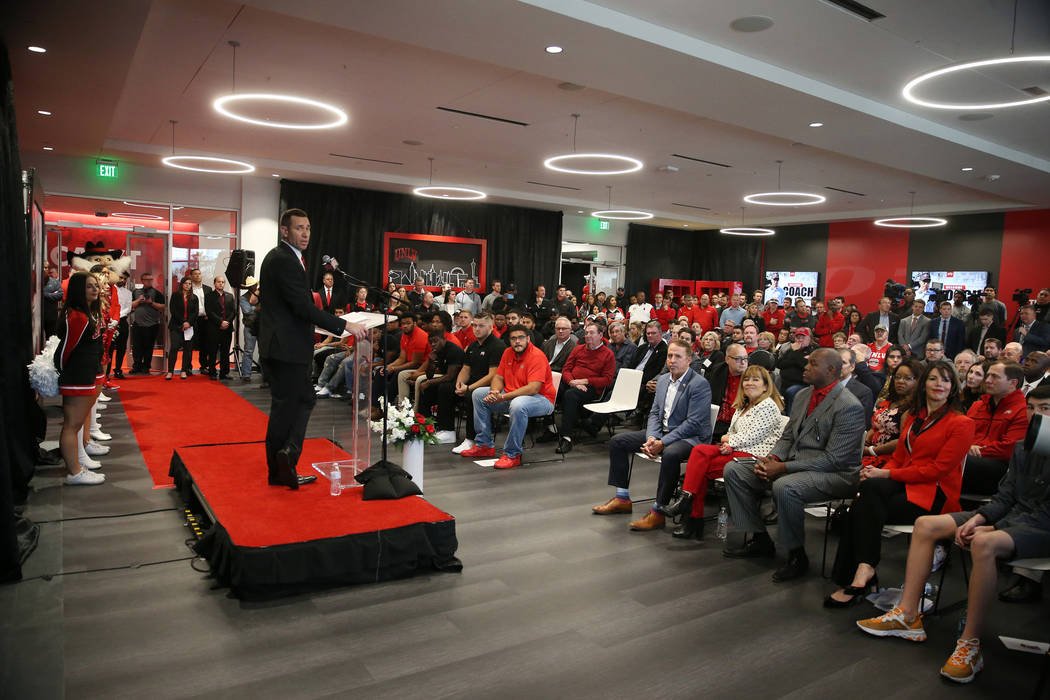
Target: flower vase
pixel 412 460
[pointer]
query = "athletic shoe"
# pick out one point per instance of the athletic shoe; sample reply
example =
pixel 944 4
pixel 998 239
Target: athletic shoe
pixel 445 437
pixel 86 461
pixel 323 391
pixel 505 462
pixel 893 624
pixel 97 434
pixel 103 397
pixel 940 555
pixel 478 451
pixel 85 478
pixel 335 395
pixel 96 450
pixel 462 447
pixel 101 406
pixel 965 663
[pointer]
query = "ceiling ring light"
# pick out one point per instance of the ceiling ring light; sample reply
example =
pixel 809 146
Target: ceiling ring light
pixel 912 222
pixel 181 163
pixel 622 214
pixel 619 165
pixel 149 206
pixel 909 90
pixel 447 192
pixel 784 199
pixel 222 105
pixel 747 231
pixel 138 215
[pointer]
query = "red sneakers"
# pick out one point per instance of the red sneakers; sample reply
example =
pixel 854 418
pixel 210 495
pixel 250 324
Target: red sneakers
pixel 506 462
pixel 478 451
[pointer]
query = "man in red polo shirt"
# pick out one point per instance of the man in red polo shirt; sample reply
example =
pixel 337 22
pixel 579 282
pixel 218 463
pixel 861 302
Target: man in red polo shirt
pixel 414 348
pixel 522 388
pixel 663 311
pixel 705 314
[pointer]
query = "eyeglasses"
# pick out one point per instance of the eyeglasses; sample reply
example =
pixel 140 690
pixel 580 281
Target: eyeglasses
pixel 738 359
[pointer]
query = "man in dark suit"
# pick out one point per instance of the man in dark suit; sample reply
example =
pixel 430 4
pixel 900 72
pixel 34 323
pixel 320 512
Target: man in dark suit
pixel 1036 368
pixel 332 299
pixel 200 323
pixel 287 318
pixel 883 316
pixel 985 329
pixel 947 329
pixel 855 386
pixel 1031 334
pixel 221 309
pixel 650 358
pixel 559 346
pixel 725 384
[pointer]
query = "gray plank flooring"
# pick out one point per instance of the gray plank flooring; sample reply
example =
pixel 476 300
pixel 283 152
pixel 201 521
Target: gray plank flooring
pixel 552 602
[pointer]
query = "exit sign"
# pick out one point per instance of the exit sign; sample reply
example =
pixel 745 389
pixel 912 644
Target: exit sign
pixel 603 225
pixel 106 168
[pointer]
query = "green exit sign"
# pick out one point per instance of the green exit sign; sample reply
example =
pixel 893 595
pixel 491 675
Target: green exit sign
pixel 106 168
pixel 603 225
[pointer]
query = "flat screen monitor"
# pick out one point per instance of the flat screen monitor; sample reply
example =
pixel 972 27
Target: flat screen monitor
pixel 790 283
pixel 934 285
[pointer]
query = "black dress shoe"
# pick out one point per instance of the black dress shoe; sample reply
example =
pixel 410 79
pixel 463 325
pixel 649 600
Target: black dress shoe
pixel 796 567
pixel 547 436
pixel 682 506
pixel 691 528
pixel 118 374
pixel 590 428
pixel 564 446
pixel 1023 590
pixel 856 594
pixel 758 546
pixel 286 475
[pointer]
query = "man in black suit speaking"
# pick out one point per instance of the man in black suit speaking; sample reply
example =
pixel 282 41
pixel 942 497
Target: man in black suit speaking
pixel 287 317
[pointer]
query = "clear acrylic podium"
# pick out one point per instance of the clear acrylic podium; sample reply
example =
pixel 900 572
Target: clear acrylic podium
pixel 350 432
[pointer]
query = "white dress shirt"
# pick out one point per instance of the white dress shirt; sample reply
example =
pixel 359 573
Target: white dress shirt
pixel 672 391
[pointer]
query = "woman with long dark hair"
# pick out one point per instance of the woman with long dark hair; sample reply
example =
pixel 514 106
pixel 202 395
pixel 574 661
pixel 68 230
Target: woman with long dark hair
pixel 78 359
pixel 853 319
pixel 881 440
pixel 973 385
pixel 183 307
pixel 894 356
pixel 923 477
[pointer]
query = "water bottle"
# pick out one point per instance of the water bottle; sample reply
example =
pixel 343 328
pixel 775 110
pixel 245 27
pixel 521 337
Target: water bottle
pixel 723 524
pixel 333 481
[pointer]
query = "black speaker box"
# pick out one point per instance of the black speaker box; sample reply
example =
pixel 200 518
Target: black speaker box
pixel 241 267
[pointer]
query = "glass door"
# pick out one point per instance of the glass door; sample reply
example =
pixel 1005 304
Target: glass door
pixel 149 254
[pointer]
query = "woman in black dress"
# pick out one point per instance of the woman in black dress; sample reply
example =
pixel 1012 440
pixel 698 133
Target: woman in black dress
pixel 183 306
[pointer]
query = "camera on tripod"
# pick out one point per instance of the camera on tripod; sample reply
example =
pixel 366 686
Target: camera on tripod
pixel 1022 296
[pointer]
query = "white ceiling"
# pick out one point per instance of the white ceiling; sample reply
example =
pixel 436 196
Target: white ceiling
pixel 660 78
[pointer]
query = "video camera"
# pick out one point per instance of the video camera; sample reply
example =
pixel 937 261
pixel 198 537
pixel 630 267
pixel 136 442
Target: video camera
pixel 1022 296
pixel 893 290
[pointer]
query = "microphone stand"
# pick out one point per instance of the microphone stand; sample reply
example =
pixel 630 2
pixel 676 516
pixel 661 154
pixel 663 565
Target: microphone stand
pixel 385 296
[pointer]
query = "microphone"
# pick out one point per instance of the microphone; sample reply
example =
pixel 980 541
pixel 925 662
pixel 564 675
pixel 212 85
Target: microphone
pixel 329 262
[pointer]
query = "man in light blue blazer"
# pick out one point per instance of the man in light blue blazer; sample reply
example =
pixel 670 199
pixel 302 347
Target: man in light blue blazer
pixel 817 458
pixel 679 420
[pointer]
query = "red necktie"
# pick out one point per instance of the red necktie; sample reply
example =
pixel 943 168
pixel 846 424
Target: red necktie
pixel 327 296
pixel 222 305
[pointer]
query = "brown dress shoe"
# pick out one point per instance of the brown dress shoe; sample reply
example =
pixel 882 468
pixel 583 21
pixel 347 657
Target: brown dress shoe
pixel 614 506
pixel 650 521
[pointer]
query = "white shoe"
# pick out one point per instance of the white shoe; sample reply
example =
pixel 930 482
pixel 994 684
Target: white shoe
pixel 103 398
pixel 85 478
pixel 465 445
pixel 335 395
pixel 445 437
pixel 96 450
pixel 101 407
pixel 323 391
pixel 97 434
pixel 88 461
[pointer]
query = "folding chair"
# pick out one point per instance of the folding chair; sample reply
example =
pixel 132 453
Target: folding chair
pixel 624 395
pixel 537 420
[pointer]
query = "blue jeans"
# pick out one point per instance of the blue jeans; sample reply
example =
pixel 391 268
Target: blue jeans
pixel 519 409
pixel 789 396
pixel 249 351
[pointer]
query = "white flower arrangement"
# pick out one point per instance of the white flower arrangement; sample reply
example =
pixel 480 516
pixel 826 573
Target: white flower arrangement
pixel 43 376
pixel 403 424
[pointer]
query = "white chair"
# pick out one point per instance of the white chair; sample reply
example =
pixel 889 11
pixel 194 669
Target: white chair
pixel 624 396
pixel 556 380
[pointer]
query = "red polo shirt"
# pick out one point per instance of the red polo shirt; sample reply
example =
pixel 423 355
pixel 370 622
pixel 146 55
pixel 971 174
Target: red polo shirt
pixel 532 366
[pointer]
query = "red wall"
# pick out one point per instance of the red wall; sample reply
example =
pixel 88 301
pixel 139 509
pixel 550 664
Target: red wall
pixel 1026 243
pixel 861 256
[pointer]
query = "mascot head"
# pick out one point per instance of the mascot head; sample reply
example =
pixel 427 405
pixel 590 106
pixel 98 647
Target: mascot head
pixel 96 253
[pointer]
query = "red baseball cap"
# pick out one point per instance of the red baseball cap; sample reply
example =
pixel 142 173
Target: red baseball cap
pixel 802 331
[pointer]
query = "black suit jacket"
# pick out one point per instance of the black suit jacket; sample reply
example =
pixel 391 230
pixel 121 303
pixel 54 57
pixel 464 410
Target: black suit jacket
pixel 337 303
pixel 864 396
pixel 656 362
pixel 287 314
pixel 214 310
pixel 867 327
pixel 994 331
pixel 717 376
pixel 548 349
pixel 1038 338
pixel 179 313
pixel 954 339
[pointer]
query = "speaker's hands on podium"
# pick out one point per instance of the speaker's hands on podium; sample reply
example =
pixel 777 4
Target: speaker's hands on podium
pixel 357 330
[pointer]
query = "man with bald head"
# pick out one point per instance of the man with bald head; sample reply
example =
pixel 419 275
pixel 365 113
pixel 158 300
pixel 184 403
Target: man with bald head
pixel 1011 352
pixel 817 458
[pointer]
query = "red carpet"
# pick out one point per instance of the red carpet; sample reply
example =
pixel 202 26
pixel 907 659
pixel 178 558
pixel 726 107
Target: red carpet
pixel 232 479
pixel 166 415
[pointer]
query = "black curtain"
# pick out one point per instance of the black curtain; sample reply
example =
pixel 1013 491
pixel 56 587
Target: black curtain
pixel 524 245
pixel 17 443
pixel 658 252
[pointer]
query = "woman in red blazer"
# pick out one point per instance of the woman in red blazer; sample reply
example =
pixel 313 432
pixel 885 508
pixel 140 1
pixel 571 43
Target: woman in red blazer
pixel 923 477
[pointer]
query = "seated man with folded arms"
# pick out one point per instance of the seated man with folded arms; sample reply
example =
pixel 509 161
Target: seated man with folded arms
pixel 479 367
pixel 680 419
pixel 441 368
pixel 522 388
pixel 1015 524
pixel 817 458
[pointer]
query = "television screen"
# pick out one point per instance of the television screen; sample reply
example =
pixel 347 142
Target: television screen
pixel 794 284
pixel 934 285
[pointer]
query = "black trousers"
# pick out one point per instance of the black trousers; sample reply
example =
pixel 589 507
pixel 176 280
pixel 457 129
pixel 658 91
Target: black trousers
pixel 447 401
pixel 143 339
pixel 572 401
pixel 881 502
pixel 982 475
pixel 292 399
pixel 202 342
pixel 120 344
pixel 219 350
pixel 623 445
pixel 177 342
pixel 720 429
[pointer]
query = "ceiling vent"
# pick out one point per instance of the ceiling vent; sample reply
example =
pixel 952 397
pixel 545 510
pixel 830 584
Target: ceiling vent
pixel 483 116
pixel 855 8
pixel 1034 91
pixel 701 160
pixel 369 160
pixel 839 189
pixel 691 206
pixel 547 184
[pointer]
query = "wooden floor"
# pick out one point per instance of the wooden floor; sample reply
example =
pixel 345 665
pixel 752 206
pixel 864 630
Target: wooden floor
pixel 552 602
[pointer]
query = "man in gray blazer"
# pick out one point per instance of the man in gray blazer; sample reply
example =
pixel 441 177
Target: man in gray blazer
pixel 816 458
pixel 912 331
pixel 679 420
pixel 559 346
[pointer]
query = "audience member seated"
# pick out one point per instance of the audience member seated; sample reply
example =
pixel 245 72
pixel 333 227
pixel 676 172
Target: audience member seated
pixel 880 317
pixel 767 342
pixel 852 323
pixel 1011 352
pixel 563 304
pixel 934 350
pixel 623 349
pixel 479 366
pixel 1033 335
pixel 539 306
pixel 755 428
pixel 441 369
pixel 894 356
pixel 1015 524
pixel 800 317
pixel 973 385
pixel 641 310
pixel 984 330
pixel 464 332
pixel 750 338
pixel 913 329
pixel 999 422
pixel 853 340
pixel 881 440
pixel 923 477
pixel 1036 368
pixel 679 420
pixel 791 364
pixel 522 388
pixel 774 317
pixel 817 458
pixel 560 345
pixel 963 361
pixel 860 391
pixel 468 299
pixel 948 329
pixel 414 348
pixel 725 385
pixel 535 337
pixel 651 357
pixel 709 354
pixel 332 380
pixel 879 348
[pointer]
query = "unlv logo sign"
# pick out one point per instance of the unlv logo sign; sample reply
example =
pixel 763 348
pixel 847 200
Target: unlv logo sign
pixel 406 255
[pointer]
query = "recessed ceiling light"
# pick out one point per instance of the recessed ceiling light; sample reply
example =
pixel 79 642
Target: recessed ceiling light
pixel 337 116
pixel 554 49
pixel 49 148
pixel 43 112
pixel 685 225
pixel 37 49
pixel 275 174
pixel 966 170
pixel 816 125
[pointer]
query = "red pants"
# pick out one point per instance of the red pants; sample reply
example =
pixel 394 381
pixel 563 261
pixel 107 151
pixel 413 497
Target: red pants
pixel 705 463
